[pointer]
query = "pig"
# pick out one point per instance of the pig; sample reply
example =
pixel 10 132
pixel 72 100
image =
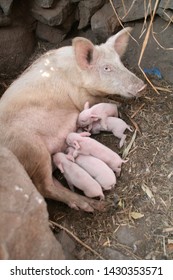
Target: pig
pixel 97 112
pixel 100 171
pixel 116 125
pixel 84 145
pixel 77 176
pixel 40 108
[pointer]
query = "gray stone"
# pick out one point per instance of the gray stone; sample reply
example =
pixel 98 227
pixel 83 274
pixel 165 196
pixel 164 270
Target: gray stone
pixel 25 232
pixel 104 23
pixel 128 235
pixel 86 9
pixel 67 244
pixel 16 45
pixel 154 55
pixel 44 3
pixel 4 20
pixel 54 35
pixel 112 254
pixel 5 5
pixel 166 4
pixel 133 10
pixel 55 16
pixel 165 14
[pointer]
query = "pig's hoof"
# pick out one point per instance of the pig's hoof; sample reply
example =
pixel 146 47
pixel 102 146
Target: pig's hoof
pixel 87 204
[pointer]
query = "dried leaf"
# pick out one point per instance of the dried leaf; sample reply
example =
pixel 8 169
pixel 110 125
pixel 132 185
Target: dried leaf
pixel 136 215
pixel 148 193
pixel 127 149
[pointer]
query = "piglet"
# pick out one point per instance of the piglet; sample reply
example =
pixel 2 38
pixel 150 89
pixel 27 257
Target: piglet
pixel 116 125
pixel 78 177
pixel 97 112
pixel 87 146
pixel 99 170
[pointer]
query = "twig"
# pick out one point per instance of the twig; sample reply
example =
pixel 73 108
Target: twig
pixel 77 239
pixel 135 113
pixel 168 229
pixel 145 42
pixel 119 20
pixel 127 149
pixel 134 124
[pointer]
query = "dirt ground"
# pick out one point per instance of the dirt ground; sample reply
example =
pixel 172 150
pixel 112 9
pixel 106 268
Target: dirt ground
pixel 140 225
pixel 137 222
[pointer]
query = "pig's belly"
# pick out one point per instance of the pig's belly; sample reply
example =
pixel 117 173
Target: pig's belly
pixel 51 126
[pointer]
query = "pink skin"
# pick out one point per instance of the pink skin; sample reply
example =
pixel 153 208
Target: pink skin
pixel 85 145
pixel 97 112
pixel 41 107
pixel 100 171
pixel 77 176
pixel 115 125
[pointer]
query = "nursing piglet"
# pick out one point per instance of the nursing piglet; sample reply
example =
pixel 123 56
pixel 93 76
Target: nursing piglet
pixel 115 125
pixel 87 146
pixel 99 170
pixel 97 112
pixel 78 177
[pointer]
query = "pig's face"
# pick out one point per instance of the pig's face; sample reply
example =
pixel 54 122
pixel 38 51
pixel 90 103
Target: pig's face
pixel 102 71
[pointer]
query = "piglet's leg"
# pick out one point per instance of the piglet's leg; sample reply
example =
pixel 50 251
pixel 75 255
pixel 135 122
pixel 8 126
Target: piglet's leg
pixel 104 124
pixel 122 140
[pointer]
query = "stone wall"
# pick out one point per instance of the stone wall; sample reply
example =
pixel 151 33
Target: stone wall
pixel 23 23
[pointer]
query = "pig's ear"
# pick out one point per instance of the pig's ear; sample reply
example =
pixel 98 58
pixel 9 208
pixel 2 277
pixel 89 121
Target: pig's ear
pixel 120 40
pixel 84 52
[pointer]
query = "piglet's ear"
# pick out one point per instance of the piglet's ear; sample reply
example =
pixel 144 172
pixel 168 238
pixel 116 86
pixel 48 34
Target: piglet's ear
pixel 86 106
pixel 120 40
pixel 84 52
pixel 60 166
pixel 95 118
pixel 85 134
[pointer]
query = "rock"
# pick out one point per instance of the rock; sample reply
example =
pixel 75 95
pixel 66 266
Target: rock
pixel 25 232
pixel 129 12
pixel 104 23
pixel 166 4
pixel 165 9
pixel 133 237
pixel 44 3
pixel 4 20
pixel 86 9
pixel 112 254
pixel 16 45
pixel 54 35
pixel 5 5
pixel 165 14
pixel 67 244
pixel 154 55
pixel 55 16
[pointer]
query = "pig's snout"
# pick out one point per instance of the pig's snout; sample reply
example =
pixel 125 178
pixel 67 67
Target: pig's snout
pixel 138 91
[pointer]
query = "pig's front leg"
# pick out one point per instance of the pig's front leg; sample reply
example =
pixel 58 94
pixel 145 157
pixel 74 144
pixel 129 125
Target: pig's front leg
pixel 72 199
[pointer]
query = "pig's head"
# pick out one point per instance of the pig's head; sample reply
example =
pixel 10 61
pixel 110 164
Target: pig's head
pixel 86 118
pixel 73 139
pixel 101 69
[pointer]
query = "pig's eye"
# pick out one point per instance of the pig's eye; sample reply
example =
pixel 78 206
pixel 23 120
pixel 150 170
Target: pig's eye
pixel 107 68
